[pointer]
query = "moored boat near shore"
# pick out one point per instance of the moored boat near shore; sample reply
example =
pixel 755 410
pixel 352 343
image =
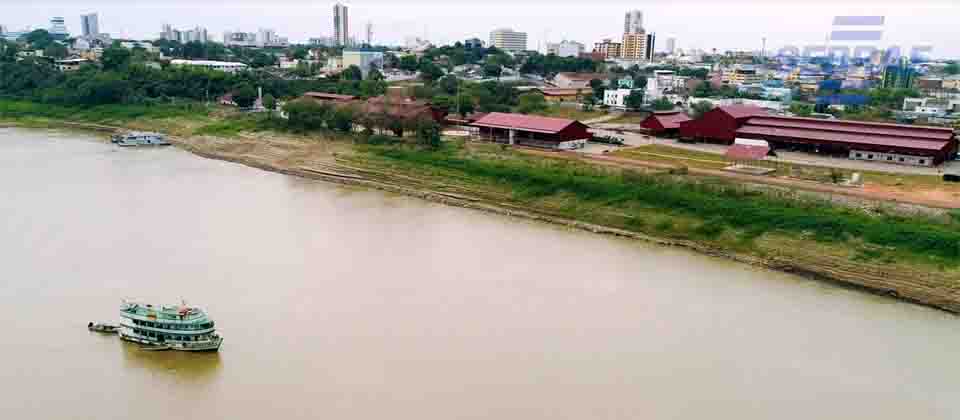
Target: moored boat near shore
pixel 140 138
pixel 173 327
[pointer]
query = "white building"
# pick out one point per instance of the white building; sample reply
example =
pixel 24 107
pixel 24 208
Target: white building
pixel 146 45
pixel 931 106
pixel 508 40
pixel 71 65
pixel 671 46
pixel 365 60
pixel 58 28
pixel 616 98
pixel 223 66
pixel 565 49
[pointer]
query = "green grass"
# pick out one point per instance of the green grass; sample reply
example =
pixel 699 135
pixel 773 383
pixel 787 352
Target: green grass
pixel 235 125
pixel 723 208
pixel 572 113
pixel 16 110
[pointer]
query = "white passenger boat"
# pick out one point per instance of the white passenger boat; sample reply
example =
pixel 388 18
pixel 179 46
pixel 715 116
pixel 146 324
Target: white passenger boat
pixel 140 138
pixel 176 327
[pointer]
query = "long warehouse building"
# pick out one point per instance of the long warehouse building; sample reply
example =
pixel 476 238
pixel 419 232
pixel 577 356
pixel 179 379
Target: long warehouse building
pixel 889 143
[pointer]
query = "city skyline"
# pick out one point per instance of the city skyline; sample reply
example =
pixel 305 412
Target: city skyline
pixel 702 27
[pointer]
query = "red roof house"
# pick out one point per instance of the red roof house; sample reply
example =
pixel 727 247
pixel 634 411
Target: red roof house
pixel 665 122
pixel 556 133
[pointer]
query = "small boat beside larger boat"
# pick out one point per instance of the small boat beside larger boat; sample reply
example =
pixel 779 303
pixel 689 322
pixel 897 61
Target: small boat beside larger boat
pixel 140 138
pixel 173 327
pixel 102 328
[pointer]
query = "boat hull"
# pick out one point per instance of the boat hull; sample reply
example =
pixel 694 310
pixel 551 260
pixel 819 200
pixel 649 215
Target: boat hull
pixel 211 346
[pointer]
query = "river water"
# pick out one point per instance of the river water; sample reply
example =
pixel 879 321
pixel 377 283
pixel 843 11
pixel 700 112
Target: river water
pixel 340 303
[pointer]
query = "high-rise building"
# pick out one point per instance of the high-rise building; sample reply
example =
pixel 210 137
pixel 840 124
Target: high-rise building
pixel 899 76
pixel 3 29
pixel 167 32
pixel 369 33
pixel 508 40
pixel 671 45
pixel 634 46
pixel 633 22
pixel 650 46
pixel 58 28
pixel 341 24
pixel 90 25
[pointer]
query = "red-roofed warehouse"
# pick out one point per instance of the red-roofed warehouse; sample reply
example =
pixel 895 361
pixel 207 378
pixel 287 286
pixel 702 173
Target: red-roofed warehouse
pixel 891 143
pixel 665 122
pixel 531 130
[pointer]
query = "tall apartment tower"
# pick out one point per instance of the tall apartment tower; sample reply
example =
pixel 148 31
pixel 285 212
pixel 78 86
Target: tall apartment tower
pixel 90 25
pixel 341 25
pixel 370 33
pixel 633 22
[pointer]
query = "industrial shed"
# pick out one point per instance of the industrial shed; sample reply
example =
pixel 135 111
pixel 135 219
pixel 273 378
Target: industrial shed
pixel 665 123
pixel 531 130
pixel 719 125
pixel 890 143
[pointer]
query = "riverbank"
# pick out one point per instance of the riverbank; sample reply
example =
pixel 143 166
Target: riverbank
pixel 895 269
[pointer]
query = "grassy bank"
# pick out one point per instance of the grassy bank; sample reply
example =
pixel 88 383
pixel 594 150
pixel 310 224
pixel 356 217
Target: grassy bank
pixel 717 212
pixel 103 114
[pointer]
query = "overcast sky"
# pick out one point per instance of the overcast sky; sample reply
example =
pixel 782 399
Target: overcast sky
pixel 723 24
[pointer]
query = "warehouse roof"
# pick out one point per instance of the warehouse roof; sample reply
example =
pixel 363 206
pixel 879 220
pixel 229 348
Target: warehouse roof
pixel 855 127
pixel 827 136
pixel 665 121
pixel 525 122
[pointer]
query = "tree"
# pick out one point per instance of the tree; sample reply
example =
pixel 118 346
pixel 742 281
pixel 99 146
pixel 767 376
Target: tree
pixel 429 72
pixel 343 119
pixel 598 89
pixel 102 88
pixel 634 101
pixel 701 107
pixel 428 133
pixel 38 39
pixel 262 59
pixel 492 70
pixel 370 88
pixel 375 75
pixel 409 63
pixel 55 50
pixel 270 103
pixel 306 114
pixel 662 104
pixel 299 53
pixel 115 57
pixel 952 69
pixel 245 96
pixel 532 102
pixel 351 73
pixel 449 84
pixel 801 110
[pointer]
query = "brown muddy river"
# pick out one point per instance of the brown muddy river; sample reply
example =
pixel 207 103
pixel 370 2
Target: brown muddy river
pixel 339 303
